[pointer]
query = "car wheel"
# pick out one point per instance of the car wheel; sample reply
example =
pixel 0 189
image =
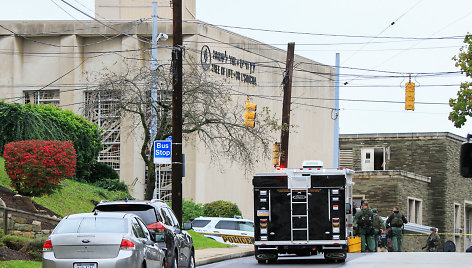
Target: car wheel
pixel 192 261
pixel 175 263
pixel 261 261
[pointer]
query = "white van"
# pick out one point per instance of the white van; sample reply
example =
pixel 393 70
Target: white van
pixel 231 231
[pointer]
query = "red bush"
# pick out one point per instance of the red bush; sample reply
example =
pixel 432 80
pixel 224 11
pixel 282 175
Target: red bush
pixel 37 167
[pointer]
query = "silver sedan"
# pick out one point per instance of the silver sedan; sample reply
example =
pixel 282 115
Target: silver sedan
pixel 101 240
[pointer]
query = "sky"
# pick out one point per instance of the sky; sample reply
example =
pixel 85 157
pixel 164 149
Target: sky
pixel 374 39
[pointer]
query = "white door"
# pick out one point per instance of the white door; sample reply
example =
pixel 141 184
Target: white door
pixel 367 159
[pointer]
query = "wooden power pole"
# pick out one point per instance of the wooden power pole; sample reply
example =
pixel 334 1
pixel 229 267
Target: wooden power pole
pixel 287 81
pixel 177 110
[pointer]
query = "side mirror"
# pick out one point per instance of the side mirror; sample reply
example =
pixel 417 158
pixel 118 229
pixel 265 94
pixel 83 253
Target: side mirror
pixel 187 226
pixel 466 159
pixel 348 208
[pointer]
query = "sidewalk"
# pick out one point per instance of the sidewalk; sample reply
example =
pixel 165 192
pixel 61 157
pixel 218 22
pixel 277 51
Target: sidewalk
pixel 211 255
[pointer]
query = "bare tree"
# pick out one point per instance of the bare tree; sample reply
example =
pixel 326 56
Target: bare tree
pixel 211 110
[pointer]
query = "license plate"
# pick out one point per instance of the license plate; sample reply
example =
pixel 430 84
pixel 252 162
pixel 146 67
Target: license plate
pixel 85 265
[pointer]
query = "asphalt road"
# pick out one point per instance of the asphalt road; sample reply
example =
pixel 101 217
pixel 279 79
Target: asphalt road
pixel 362 260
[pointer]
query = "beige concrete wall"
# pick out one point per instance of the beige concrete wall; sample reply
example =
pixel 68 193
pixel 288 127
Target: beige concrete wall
pixel 206 179
pixel 137 9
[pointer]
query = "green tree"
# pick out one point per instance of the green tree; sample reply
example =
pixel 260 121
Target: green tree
pixel 462 105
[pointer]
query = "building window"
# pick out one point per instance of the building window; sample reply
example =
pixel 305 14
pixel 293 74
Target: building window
pixel 100 108
pixel 356 201
pixel 46 97
pixel 346 159
pixel 415 210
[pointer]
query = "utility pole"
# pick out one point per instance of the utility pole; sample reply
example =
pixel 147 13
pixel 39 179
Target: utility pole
pixel 287 81
pixel 177 110
pixel 153 125
pixel 336 114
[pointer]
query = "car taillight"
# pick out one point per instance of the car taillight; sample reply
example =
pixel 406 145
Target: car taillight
pixel 126 244
pixel 47 246
pixel 156 226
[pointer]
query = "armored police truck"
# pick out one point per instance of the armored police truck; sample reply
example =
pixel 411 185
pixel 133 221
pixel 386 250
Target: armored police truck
pixel 302 211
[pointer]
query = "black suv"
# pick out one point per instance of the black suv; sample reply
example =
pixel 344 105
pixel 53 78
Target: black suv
pixel 161 221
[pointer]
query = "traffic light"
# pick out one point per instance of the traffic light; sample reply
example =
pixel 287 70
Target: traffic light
pixel 276 154
pixel 410 96
pixel 250 114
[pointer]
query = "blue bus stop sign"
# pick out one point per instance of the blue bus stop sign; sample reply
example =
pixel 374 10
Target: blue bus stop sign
pixel 163 152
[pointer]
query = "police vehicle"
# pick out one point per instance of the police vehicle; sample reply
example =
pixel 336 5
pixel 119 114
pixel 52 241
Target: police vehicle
pixel 233 231
pixel 303 211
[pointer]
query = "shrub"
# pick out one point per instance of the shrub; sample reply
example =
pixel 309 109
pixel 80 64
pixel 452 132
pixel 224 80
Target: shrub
pixel 14 242
pixel 191 210
pixel 34 248
pixel 221 209
pixel 112 185
pixel 37 167
pixel 101 171
pixel 19 122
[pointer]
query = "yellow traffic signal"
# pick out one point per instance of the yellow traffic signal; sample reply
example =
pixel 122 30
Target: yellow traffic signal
pixel 276 154
pixel 250 114
pixel 410 96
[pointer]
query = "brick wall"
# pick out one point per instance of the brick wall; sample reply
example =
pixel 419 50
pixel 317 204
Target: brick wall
pixel 434 155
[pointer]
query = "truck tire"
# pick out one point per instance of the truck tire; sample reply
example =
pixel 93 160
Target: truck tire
pixel 272 261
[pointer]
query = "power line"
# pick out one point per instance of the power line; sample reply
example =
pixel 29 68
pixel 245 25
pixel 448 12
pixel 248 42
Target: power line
pixel 108 26
pixel 326 34
pixel 381 32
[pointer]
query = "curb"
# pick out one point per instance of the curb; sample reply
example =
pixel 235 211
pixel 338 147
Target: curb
pixel 224 257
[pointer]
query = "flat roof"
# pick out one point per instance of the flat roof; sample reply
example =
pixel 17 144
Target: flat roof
pixel 402 135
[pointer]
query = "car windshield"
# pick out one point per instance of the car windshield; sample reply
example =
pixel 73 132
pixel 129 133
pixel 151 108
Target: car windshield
pixel 92 225
pixel 145 212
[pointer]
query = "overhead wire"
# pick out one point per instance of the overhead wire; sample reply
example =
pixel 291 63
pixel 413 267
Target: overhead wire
pixel 381 32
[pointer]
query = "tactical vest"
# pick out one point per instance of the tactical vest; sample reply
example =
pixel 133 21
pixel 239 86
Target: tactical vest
pixel 397 220
pixel 376 221
pixel 365 220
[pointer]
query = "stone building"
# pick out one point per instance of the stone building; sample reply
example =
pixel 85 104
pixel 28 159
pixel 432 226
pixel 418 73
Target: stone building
pixel 419 172
pixel 53 62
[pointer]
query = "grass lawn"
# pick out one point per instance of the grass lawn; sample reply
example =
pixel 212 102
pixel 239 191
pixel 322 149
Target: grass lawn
pixel 201 242
pixel 20 264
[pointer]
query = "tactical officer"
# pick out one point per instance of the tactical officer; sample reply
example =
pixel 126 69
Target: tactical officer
pixel 379 227
pixel 396 221
pixel 432 242
pixel 366 230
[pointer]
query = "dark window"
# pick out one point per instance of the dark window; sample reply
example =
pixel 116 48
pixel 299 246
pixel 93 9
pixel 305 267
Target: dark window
pixel 172 216
pixel 227 225
pixel 200 223
pixel 92 225
pixel 166 216
pixel 137 229
pixel 145 229
pixel 145 212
